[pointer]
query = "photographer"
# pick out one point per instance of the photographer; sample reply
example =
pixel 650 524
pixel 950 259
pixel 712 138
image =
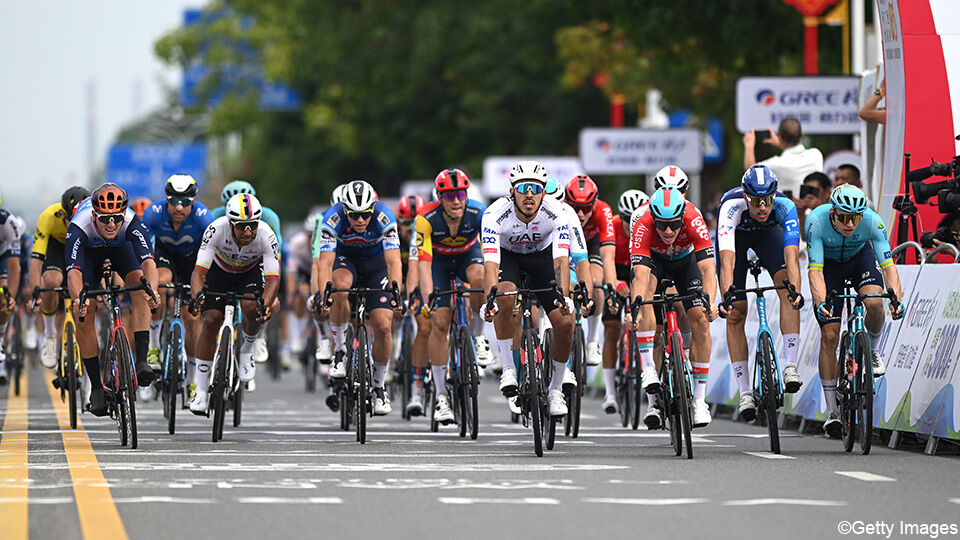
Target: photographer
pixel 814 192
pixel 948 232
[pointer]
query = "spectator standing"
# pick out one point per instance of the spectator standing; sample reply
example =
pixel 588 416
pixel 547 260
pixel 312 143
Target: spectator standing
pixel 814 192
pixel 870 112
pixel 847 174
pixel 793 164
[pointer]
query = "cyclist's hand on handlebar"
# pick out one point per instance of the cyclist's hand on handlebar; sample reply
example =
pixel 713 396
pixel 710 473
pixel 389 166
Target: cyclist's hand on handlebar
pixel 623 289
pixel 84 308
pixel 489 314
pixel 823 312
pixel 566 305
pixel 267 313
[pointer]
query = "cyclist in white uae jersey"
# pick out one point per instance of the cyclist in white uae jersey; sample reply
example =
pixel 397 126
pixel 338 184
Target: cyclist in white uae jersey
pixel 527 233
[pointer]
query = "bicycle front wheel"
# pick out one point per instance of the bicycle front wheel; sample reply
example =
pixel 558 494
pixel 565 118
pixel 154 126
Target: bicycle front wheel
pixel 635 395
pixel 846 396
pixel 572 427
pixel 361 366
pixel 864 393
pixel 128 382
pixel 218 394
pixel 681 388
pixel 237 404
pixel 172 383
pixel 469 384
pixel 70 369
pixel 405 367
pixel 768 366
pixel 533 389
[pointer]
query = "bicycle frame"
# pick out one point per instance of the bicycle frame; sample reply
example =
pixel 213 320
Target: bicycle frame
pixel 765 329
pixel 228 325
pixel 176 325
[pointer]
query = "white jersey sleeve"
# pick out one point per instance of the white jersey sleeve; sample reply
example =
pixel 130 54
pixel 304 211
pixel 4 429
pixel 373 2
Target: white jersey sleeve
pixel 727 222
pixel 493 218
pixel 270 248
pixel 207 245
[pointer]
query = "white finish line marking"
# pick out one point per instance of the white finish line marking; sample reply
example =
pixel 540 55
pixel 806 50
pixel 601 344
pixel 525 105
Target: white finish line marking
pixel 649 482
pixel 645 502
pixel 36 500
pixel 768 455
pixel 865 476
pixel 525 500
pixel 954 501
pixel 796 502
pixel 290 500
pixel 162 499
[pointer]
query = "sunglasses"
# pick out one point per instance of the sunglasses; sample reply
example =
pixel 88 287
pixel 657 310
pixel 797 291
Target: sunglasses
pixel 455 195
pixel 244 225
pixel 761 201
pixel 532 188
pixel 359 216
pixel 179 201
pixel 405 222
pixel 586 209
pixel 672 225
pixel 847 219
pixel 106 219
pixel 809 190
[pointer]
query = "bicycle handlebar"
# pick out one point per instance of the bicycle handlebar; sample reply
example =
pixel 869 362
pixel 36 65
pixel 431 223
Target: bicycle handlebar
pixel 194 306
pixel 459 291
pixel 666 299
pixel 327 300
pixel 113 292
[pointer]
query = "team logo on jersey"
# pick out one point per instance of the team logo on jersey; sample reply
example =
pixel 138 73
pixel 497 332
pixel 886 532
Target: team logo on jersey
pixel 382 219
pixel 334 219
pixel 880 225
pixel 208 234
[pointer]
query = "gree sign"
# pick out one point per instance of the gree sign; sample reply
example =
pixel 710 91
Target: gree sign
pixel 821 104
pixel 639 151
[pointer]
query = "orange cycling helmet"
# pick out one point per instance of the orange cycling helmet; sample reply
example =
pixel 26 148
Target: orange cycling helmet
pixel 109 199
pixel 140 205
pixel 451 180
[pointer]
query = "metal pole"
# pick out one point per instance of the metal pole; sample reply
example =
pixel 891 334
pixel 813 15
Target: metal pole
pixel 857 36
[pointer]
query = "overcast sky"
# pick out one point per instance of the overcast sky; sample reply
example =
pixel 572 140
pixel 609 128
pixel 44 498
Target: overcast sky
pixel 52 50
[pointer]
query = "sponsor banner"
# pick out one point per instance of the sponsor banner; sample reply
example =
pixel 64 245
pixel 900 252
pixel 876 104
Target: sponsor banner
pixel 496 171
pixel 936 312
pixel 639 151
pixel 901 358
pixel 821 104
pixel 808 402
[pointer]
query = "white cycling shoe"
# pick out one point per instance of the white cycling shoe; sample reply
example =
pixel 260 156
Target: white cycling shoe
pixel 879 368
pixel 381 403
pixel 442 413
pixel 199 403
pixel 610 404
pixel 701 413
pixel 484 354
pixel 513 405
pixel 508 382
pixel 248 368
pixel 260 353
pixel 649 381
pixel 594 356
pixel 415 405
pixel 339 370
pixel 324 349
pixel 48 352
pixel 791 379
pixel 556 402
pixel 569 380
pixel 747 409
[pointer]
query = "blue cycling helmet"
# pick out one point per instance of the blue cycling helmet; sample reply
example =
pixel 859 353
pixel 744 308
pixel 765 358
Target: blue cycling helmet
pixel 553 189
pixel 759 181
pixel 667 204
pixel 235 188
pixel 848 198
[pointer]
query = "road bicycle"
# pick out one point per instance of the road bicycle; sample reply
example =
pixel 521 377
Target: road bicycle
pixel 12 341
pixel 174 356
pixel 577 363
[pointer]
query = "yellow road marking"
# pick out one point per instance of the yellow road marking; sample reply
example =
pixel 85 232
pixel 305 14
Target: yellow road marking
pixel 14 475
pixel 98 513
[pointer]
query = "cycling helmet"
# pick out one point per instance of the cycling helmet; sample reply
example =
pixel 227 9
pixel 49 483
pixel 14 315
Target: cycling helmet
pixel 672 176
pixel 140 205
pixel 552 189
pixel 581 190
pixel 235 187
pixel 244 207
pixel 848 198
pixel 72 197
pixel 434 194
pixel 310 222
pixel 667 203
pixel 528 170
pixel 109 199
pixel 759 181
pixel 337 194
pixel 359 196
pixel 451 180
pixel 181 185
pixel 632 199
pixel 409 205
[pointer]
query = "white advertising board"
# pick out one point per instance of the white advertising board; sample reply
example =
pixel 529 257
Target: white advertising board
pixel 639 151
pixel 496 171
pixel 821 104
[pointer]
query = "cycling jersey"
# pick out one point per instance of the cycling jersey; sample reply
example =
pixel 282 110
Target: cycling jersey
pixel 82 237
pixel 336 235
pixel 824 242
pixel 600 224
pixel 218 246
pixel 693 237
pixel 578 242
pixel 50 224
pixel 503 230
pixel 734 216
pixel 622 256
pixel 434 235
pixel 300 258
pixel 11 229
pixel 185 240
pixel 408 251
pixel 268 216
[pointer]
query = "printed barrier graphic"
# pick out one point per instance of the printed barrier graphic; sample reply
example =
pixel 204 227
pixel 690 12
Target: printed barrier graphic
pixel 901 342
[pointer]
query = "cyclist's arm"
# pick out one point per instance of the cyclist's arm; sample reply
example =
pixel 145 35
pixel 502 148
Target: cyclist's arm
pixel 270 247
pixel 423 234
pixel 413 269
pixel 708 269
pixel 197 279
pixel 608 243
pixel 818 287
pixel 322 271
pixel 561 257
pixel 787 214
pixel 394 266
pixel 728 218
pixel 490 242
pixel 74 254
pixel 36 272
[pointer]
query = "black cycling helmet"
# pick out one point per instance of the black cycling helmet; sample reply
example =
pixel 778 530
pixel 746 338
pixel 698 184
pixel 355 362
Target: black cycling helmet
pixel 71 197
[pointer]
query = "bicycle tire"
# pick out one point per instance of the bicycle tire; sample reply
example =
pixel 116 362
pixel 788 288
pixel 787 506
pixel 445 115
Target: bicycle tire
pixel 864 388
pixel 274 364
pixel 70 367
pixel 121 412
pixel 405 367
pixel 219 383
pixel 15 369
pixel 430 398
pixel 172 384
pixel 362 392
pixel 636 396
pixel 462 378
pixel 769 389
pixel 573 397
pixel 845 397
pixel 682 388
pixel 533 388
pixel 125 361
pixel 623 390
pixel 238 404
pixel 310 371
pixel 580 363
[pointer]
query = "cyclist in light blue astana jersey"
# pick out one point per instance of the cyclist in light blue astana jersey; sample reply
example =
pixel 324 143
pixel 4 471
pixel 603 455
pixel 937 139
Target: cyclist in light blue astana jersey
pixel 840 238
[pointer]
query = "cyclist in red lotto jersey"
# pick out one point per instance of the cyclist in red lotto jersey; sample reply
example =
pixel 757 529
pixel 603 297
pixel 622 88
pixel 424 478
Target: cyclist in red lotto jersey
pixel 672 240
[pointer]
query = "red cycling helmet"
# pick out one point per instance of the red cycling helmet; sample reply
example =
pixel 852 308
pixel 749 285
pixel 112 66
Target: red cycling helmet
pixel 581 190
pixel 451 180
pixel 409 206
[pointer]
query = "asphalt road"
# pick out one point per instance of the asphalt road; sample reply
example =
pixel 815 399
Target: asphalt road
pixel 288 471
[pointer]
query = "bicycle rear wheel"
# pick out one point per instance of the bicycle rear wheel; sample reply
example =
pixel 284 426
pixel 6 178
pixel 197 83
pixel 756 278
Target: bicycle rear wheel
pixel 572 426
pixel 171 385
pixel 636 396
pixel 70 369
pixel 681 383
pixel 237 404
pixel 469 384
pixel 363 394
pixel 218 395
pixel 770 389
pixel 864 393
pixel 532 387
pixel 128 381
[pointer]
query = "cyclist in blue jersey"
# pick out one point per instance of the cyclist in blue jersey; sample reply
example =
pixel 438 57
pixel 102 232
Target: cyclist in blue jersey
pixel 358 246
pixel 756 216
pixel 847 240
pixel 177 225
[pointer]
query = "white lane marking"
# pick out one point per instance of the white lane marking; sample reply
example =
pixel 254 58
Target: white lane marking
pixel 794 502
pixel 290 500
pixel 525 500
pixel 649 482
pixel 175 485
pixel 866 476
pixel 342 467
pixel 645 502
pixel 36 500
pixel 954 500
pixel 162 499
pixel 768 455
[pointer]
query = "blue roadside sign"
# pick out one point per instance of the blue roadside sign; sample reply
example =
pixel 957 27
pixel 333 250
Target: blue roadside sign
pixel 143 168
pixel 712 139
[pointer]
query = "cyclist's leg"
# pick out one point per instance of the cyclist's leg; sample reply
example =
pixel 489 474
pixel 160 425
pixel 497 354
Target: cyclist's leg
pixel 439 344
pixel 687 279
pixel 420 353
pixel 871 282
pixel 126 264
pixel 50 304
pixel 473 272
pixel 87 336
pixel 736 322
pixel 769 248
pixel 505 323
pixel 343 277
pixel 834 274
pixel 166 267
pixel 211 318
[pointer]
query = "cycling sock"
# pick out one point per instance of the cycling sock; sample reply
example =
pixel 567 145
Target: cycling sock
pixel 92 367
pixel 440 379
pixel 155 334
pixel 339 332
pixel 791 346
pixel 700 372
pixel 874 341
pixel 609 376
pixel 379 374
pixel 141 342
pixel 556 378
pixel 645 344
pixel 742 372
pixel 248 340
pixel 594 325
pixel 830 395
pixel 191 367
pixel 202 375
pixel 50 325
pixel 505 348
pixel 476 328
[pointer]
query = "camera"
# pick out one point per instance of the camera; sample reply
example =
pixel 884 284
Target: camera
pixel 943 234
pixel 947 191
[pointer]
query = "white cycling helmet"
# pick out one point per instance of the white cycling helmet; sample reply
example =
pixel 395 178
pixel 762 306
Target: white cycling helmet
pixel 630 200
pixel 671 176
pixel 337 194
pixel 311 221
pixel 244 207
pixel 359 196
pixel 554 189
pixel 528 170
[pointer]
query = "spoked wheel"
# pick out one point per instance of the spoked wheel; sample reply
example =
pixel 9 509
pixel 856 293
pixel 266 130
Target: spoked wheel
pixel 864 393
pixel 363 394
pixel 532 389
pixel 171 385
pixel 122 425
pixel 70 369
pixel 128 381
pixel 218 395
pixel 623 397
pixel 274 366
pixel 580 369
pixel 846 397
pixel 430 401
pixel 18 350
pixel 471 383
pixel 237 404
pixel 770 389
pixel 681 384
pixel 634 382
pixel 404 380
